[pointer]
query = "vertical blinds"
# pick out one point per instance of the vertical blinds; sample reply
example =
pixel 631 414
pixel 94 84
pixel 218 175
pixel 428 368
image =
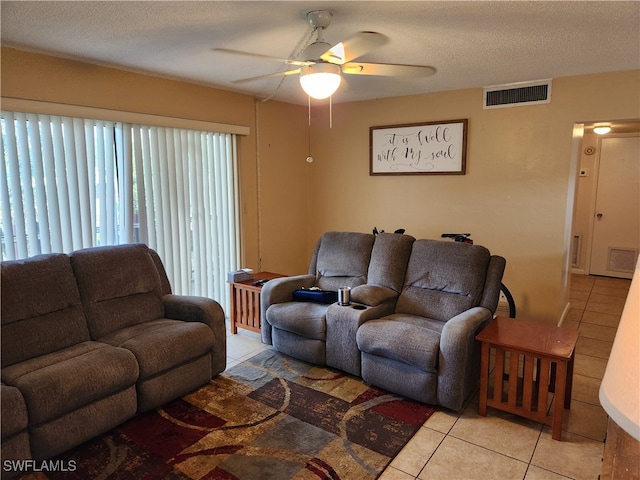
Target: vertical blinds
pixel 68 183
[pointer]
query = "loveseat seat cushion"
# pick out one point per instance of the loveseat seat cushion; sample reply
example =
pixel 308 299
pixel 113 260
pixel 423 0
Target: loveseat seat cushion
pixel 40 308
pixel 65 380
pixel 305 319
pixel 443 279
pixel 405 338
pixel 163 344
pixel 119 286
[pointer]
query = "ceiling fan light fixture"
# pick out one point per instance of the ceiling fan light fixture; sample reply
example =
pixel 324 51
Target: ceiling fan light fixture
pixel 320 80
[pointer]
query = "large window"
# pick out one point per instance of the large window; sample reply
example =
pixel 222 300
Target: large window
pixel 69 183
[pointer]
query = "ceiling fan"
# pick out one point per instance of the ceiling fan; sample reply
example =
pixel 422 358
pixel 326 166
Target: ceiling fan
pixel 320 64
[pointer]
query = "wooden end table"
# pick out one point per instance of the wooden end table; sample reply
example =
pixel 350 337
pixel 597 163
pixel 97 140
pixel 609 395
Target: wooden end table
pixel 531 360
pixel 245 302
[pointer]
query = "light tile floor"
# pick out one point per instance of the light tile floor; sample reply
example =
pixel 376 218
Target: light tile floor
pixel 503 446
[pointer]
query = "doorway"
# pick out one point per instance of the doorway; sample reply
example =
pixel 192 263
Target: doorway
pixel 615 234
pixel 608 166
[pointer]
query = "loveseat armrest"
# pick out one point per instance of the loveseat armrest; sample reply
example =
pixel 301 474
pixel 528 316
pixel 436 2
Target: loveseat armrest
pixel 280 290
pixel 343 323
pixel 204 310
pixel 373 295
pixel 459 362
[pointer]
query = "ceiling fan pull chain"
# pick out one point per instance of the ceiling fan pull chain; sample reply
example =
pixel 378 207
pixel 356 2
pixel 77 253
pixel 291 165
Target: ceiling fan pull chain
pixel 330 112
pixel 309 157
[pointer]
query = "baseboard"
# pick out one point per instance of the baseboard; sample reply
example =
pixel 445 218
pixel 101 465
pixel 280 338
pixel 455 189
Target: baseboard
pixel 578 271
pixel 565 313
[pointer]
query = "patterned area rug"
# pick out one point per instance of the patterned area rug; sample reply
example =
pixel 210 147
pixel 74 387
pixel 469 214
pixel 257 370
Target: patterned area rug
pixel 271 417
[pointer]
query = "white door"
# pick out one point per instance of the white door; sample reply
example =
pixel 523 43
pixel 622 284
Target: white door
pixel 616 225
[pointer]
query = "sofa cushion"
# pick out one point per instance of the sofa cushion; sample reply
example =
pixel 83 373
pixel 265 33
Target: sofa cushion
pixel 343 259
pixel 162 344
pixel 389 259
pixel 305 319
pixel 119 287
pixel 41 310
pixel 62 381
pixel 14 411
pixel 405 338
pixel 80 425
pixel 443 279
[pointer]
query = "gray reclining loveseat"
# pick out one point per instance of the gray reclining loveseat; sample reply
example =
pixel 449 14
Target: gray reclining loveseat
pixel 90 339
pixel 417 305
pixel 426 349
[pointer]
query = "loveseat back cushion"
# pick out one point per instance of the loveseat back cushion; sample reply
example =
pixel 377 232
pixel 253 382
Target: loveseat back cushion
pixel 491 294
pixel 443 279
pixel 41 309
pixel 119 287
pixel 165 286
pixel 342 259
pixel 389 259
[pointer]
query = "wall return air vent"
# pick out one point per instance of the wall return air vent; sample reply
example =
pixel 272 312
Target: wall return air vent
pixel 517 94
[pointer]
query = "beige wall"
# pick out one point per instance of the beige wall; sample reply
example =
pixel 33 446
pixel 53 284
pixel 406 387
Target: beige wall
pixel 514 198
pixel 283 175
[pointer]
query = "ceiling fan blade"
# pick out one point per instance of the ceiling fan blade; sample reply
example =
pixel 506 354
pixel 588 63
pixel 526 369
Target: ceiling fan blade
pixel 259 55
pixel 353 47
pixel 269 75
pixel 387 69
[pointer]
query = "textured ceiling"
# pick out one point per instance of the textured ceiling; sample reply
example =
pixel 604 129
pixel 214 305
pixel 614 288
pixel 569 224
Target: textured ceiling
pixel 471 44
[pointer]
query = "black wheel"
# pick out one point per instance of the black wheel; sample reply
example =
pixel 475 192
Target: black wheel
pixel 512 304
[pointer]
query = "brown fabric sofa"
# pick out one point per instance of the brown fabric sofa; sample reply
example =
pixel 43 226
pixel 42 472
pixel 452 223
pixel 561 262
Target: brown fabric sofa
pixel 92 338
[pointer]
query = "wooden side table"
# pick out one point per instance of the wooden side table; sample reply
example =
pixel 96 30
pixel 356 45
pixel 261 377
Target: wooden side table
pixel 245 302
pixel 531 360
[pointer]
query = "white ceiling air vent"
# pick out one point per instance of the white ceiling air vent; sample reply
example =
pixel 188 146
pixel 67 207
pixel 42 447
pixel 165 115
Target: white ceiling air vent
pixel 516 94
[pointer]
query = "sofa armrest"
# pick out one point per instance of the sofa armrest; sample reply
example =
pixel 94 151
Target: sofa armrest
pixel 459 362
pixel 280 290
pixel 373 295
pixel 204 310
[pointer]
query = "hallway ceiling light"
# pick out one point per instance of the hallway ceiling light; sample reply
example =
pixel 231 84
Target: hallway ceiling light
pixel 602 129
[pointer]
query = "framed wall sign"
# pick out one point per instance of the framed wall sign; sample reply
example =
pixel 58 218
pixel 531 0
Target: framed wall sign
pixel 432 148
